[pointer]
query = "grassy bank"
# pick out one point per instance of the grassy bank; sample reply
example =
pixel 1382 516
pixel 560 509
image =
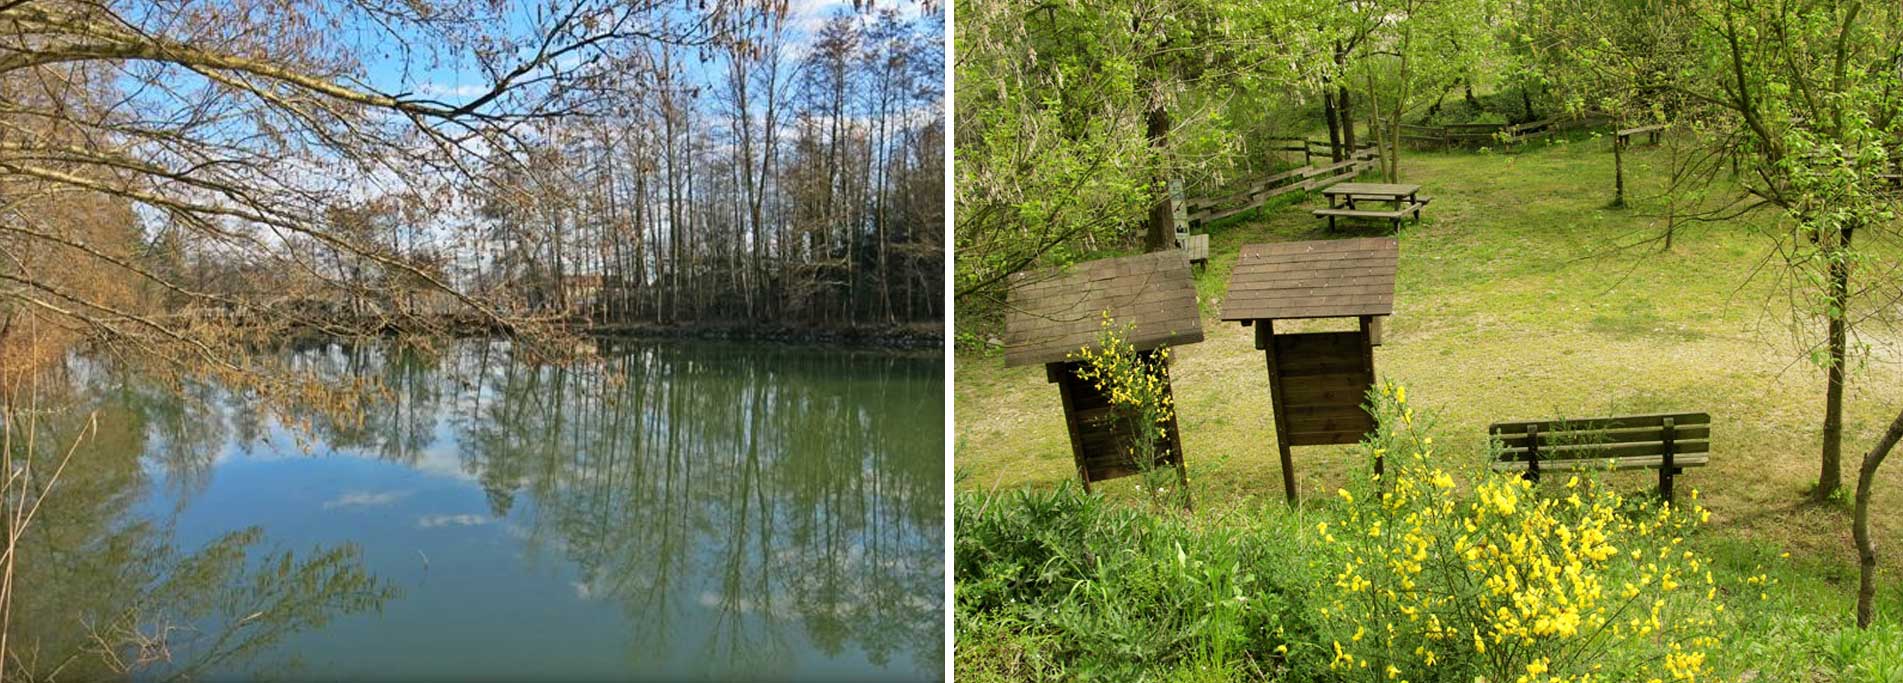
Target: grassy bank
pixel 1521 296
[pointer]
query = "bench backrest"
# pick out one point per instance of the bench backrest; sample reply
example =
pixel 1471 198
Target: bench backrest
pixel 1603 437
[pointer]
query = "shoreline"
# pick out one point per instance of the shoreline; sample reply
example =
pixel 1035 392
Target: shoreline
pixel 916 336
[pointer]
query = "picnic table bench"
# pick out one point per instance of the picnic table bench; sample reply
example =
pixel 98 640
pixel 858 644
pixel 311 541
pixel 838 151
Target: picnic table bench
pixel 1667 442
pixel 1624 136
pixel 1404 199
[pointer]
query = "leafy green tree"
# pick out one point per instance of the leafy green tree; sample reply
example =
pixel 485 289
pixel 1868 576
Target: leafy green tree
pixel 1803 99
pixel 1066 115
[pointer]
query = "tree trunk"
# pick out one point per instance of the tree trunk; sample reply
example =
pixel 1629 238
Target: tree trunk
pixel 1830 478
pixel 1618 173
pixel 1346 111
pixel 1329 112
pixel 1400 108
pixel 1161 234
pixel 1341 122
pixel 1860 527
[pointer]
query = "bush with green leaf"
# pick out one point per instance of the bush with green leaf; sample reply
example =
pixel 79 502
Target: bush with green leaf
pixel 1436 582
pixel 1111 591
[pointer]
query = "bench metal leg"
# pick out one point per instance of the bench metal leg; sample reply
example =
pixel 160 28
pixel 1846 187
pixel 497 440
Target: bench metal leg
pixel 1668 437
pixel 1665 482
pixel 1182 480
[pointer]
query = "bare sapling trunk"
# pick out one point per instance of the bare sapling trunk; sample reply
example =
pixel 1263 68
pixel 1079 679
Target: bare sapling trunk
pixel 1830 474
pixel 1618 172
pixel 1860 527
pixel 1400 109
pixel 1345 110
pixel 1335 151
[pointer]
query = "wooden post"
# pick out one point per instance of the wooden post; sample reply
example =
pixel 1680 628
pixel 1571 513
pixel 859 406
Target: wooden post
pixel 1533 453
pixel 1367 359
pixel 1061 374
pixel 1265 340
pixel 1176 437
pixel 1669 466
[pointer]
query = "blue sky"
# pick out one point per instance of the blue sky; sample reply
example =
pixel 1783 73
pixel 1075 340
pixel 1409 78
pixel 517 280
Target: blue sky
pixel 460 80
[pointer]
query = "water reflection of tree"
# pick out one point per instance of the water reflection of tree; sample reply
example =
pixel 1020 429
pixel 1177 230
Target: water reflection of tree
pixel 396 411
pixel 747 498
pixel 774 488
pixel 103 592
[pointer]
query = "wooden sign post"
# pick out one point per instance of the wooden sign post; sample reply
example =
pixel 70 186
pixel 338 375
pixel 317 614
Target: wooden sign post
pixel 1054 314
pixel 1317 380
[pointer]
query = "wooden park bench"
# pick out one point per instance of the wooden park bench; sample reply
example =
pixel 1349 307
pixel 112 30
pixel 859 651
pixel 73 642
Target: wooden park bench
pixel 1393 216
pixel 1667 442
pixel 1624 136
pixel 1419 199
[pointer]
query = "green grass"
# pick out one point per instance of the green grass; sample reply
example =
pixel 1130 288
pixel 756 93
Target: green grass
pixel 1515 301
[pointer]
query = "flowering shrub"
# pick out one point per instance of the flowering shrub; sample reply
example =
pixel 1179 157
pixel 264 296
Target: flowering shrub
pixel 1497 582
pixel 1138 391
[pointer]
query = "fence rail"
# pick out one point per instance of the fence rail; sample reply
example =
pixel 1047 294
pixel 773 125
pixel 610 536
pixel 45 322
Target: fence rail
pixel 1507 134
pixel 1308 177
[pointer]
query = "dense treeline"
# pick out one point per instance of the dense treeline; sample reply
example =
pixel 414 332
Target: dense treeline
pixel 187 179
pixel 795 189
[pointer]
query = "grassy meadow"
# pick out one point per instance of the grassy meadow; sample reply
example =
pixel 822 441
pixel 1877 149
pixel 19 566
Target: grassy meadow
pixel 1521 295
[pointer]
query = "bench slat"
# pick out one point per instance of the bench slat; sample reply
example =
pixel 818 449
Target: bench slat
pixel 1372 213
pixel 1602 423
pixel 1628 463
pixel 1591 451
pixel 1558 438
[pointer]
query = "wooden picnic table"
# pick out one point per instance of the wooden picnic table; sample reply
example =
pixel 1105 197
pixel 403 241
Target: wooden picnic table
pixel 1389 192
pixel 1406 200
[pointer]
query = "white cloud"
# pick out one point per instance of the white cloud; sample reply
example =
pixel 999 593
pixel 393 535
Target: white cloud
pixel 364 499
pixel 434 521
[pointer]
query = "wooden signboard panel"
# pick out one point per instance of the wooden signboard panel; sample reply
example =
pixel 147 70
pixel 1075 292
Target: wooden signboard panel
pixel 1100 446
pixel 1317 384
pixel 1324 378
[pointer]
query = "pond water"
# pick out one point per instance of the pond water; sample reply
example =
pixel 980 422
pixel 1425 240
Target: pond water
pixel 671 511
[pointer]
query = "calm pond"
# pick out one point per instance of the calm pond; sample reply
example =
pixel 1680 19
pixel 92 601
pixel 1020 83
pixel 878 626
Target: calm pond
pixel 671 511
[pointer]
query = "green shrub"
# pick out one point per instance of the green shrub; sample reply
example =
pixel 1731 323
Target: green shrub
pixel 1411 576
pixel 1113 592
pixel 1496 582
pixel 1866 656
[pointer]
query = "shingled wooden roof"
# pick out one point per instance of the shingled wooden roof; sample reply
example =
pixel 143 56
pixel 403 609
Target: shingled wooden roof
pixel 1321 279
pixel 1053 313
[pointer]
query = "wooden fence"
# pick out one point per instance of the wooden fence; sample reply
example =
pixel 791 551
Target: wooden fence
pixel 1309 149
pixel 1308 177
pixel 1505 134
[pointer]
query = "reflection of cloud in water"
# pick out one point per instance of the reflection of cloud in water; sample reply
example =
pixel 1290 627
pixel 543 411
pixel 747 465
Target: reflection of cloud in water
pixel 364 499
pixel 434 521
